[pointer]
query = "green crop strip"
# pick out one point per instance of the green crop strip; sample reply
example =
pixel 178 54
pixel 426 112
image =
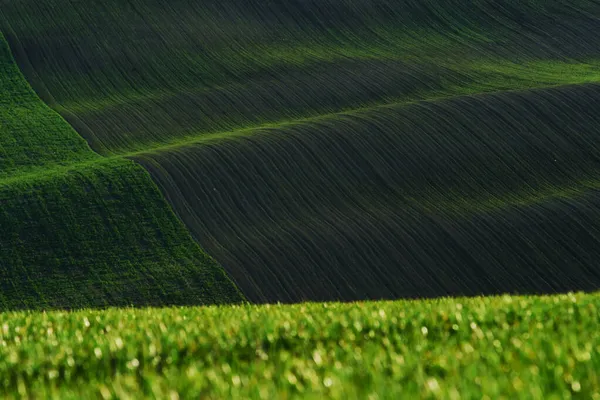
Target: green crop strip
pixel 501 347
pixel 31 134
pixel 582 74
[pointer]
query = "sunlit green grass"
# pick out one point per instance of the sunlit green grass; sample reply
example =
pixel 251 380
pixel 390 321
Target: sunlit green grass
pixel 499 347
pixel 32 136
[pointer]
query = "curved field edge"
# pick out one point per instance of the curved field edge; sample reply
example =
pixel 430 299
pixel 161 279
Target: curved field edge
pixel 33 138
pixel 500 347
pixel 77 230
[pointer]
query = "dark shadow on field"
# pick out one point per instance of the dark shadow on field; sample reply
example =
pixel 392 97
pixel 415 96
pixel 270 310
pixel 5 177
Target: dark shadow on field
pixel 476 195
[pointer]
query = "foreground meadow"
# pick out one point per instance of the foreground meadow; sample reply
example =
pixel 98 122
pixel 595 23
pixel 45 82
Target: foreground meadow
pixel 497 347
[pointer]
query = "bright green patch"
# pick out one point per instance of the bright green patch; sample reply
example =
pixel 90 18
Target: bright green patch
pixel 500 347
pixel 31 134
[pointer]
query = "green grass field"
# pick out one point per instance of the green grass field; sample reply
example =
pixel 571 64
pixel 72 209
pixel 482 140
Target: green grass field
pixel 494 348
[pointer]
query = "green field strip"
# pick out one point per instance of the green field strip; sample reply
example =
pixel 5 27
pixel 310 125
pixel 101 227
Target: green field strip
pixel 79 230
pixel 98 237
pixel 501 347
pixel 42 174
pixel 276 127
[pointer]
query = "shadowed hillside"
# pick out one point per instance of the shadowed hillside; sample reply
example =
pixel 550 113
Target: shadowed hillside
pixel 493 193
pixel 346 149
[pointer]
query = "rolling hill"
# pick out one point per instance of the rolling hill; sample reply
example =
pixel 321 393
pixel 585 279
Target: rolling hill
pixel 344 149
pixel 182 152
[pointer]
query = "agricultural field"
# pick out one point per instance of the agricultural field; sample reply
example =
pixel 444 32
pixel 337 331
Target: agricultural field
pixel 358 199
pixel 498 348
pixel 342 149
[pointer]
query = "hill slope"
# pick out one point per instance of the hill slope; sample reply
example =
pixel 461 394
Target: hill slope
pixel 78 230
pixel 494 193
pixel 345 149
